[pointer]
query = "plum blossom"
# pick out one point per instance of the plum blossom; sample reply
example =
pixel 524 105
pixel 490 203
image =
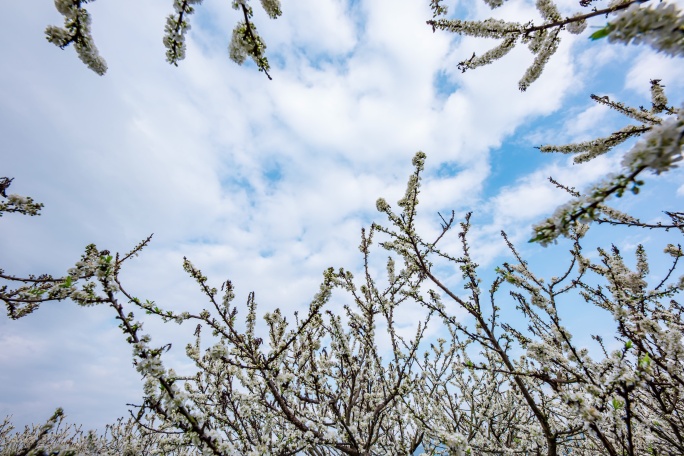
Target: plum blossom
pixel 660 26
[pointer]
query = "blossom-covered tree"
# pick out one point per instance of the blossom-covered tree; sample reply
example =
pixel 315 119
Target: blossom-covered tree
pixel 321 385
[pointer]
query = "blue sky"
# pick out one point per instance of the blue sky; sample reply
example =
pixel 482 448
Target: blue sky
pixel 269 182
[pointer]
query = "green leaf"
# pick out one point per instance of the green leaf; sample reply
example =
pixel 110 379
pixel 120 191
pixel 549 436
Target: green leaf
pixel 537 238
pixel 67 282
pixel 601 33
pixel 628 345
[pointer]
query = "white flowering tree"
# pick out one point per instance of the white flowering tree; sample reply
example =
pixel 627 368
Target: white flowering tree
pixel 496 388
pixel 320 385
pixel 124 438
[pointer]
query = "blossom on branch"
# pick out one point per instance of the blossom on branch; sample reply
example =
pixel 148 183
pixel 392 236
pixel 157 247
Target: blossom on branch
pixel 659 150
pixel 543 39
pixel 176 27
pixel 661 27
pixel 16 203
pixel 77 31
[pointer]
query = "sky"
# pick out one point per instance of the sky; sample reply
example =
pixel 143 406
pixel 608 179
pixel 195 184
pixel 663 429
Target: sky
pixel 268 183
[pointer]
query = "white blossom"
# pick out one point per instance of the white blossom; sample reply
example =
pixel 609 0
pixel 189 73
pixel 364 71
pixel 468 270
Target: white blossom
pixel 675 251
pixel 547 48
pixel 272 8
pixel 494 3
pixel 77 31
pixel 548 10
pixel 576 27
pixel 16 203
pixel 658 98
pixel 660 149
pixel 239 47
pixel 660 26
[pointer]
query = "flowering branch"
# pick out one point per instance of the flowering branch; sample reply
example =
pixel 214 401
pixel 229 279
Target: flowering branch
pixel 77 31
pixel 658 151
pixel 542 40
pixel 16 203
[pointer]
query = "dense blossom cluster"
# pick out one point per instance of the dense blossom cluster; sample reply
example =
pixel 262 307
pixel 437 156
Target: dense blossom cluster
pixel 76 30
pixel 661 27
pixel 660 149
pixel 245 40
pixel 176 27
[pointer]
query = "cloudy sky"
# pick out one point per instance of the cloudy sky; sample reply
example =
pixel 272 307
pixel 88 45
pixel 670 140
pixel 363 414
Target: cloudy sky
pixel 267 183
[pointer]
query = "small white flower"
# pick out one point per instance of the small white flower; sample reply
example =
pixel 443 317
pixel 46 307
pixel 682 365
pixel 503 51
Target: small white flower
pixel 576 27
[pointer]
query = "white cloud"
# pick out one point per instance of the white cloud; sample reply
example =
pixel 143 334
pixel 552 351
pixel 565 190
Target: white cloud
pixel 649 66
pixel 587 124
pixel 323 27
pixel 515 208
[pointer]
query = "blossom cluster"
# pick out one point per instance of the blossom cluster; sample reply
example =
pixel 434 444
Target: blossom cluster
pixel 660 149
pixel 272 8
pixel 16 203
pixel 176 28
pixel 245 40
pixel 661 27
pixel 76 30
